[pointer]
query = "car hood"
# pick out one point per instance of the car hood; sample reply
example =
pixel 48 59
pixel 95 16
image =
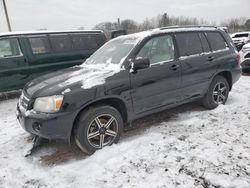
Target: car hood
pixel 64 81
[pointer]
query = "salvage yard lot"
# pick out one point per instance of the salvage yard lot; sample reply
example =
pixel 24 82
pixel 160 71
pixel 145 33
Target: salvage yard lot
pixel 184 147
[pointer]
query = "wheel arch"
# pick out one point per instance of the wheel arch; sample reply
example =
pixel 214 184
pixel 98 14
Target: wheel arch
pixel 115 102
pixel 228 76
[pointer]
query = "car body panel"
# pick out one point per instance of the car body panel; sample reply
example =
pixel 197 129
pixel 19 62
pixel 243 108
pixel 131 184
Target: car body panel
pixel 140 93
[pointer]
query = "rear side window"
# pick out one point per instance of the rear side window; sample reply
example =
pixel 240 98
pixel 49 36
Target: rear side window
pixel 9 48
pixel 217 42
pixel 204 43
pixel 39 44
pixel 60 43
pixel 189 44
pixel 87 41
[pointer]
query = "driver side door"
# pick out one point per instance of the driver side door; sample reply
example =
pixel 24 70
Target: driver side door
pixel 159 85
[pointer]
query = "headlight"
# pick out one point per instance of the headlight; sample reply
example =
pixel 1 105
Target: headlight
pixel 48 104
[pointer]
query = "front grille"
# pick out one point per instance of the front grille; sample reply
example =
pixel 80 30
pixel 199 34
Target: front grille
pixel 24 101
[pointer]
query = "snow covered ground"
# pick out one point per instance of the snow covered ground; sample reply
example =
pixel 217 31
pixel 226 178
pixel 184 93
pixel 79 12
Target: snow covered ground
pixel 184 147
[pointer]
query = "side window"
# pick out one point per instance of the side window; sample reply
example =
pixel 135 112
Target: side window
pixel 158 49
pixel 60 43
pixel 92 42
pixel 189 44
pixel 204 43
pixel 39 44
pixel 216 41
pixel 9 48
pixel 100 39
pixel 85 41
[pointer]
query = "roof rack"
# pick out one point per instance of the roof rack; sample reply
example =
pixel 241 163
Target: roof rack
pixel 6 34
pixel 187 26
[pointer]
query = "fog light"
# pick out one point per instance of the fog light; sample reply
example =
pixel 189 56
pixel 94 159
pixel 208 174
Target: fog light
pixel 37 126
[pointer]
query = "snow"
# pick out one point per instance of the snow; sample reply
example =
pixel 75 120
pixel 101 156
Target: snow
pixel 246 46
pixel 184 147
pixel 92 75
pixel 66 91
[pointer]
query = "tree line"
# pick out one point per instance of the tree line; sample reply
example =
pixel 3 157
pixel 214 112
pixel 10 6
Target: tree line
pixel 164 20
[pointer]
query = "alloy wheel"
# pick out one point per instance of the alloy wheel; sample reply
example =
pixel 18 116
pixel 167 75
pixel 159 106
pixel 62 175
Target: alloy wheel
pixel 102 131
pixel 219 93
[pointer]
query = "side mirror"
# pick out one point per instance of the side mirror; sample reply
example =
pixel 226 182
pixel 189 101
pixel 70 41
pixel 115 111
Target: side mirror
pixel 139 63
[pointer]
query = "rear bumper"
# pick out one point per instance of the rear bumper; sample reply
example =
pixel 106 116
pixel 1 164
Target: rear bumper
pixel 236 73
pixel 50 126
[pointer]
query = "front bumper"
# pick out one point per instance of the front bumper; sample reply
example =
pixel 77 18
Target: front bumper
pixel 50 126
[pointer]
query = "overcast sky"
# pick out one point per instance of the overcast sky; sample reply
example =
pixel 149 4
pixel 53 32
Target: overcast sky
pixel 66 14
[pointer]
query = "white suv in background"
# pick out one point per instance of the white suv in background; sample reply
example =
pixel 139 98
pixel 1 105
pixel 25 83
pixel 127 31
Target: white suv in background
pixel 240 39
pixel 245 57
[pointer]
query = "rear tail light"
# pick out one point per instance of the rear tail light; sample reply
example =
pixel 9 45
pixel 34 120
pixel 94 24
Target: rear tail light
pixel 238 59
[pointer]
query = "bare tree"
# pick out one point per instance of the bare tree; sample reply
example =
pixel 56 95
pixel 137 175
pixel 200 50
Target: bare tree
pixel 146 25
pixel 235 24
pixel 130 25
pixel 107 27
pixel 164 21
pixel 247 24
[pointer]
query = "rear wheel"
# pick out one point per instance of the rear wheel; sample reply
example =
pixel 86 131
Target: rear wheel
pixel 98 127
pixel 217 93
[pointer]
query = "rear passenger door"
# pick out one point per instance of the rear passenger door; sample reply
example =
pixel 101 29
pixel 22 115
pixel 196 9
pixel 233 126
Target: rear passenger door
pixel 196 61
pixel 220 50
pixel 13 64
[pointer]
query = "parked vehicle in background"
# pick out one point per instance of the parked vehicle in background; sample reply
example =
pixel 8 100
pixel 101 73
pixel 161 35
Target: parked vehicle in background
pixel 130 77
pixel 118 33
pixel 245 57
pixel 240 39
pixel 27 55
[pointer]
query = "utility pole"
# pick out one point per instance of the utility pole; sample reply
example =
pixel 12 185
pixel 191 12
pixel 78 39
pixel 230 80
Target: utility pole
pixel 6 15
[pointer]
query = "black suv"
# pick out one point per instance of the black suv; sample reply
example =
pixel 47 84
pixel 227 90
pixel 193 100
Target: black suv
pixel 130 77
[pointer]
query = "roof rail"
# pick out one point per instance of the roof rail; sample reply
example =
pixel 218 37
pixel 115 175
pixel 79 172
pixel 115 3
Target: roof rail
pixel 187 26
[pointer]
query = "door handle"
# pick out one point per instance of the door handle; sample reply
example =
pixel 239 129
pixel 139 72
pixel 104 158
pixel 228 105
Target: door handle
pixel 210 58
pixel 174 67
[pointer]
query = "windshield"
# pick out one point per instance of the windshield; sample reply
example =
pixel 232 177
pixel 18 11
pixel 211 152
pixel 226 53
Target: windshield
pixel 113 52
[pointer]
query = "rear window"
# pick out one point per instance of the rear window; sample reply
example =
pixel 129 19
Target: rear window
pixel 9 48
pixel 189 44
pixel 87 41
pixel 60 43
pixel 216 41
pixel 39 44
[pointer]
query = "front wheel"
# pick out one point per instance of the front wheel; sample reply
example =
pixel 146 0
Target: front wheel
pixel 217 93
pixel 98 127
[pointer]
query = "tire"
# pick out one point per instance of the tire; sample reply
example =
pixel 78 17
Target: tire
pixel 97 127
pixel 217 93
